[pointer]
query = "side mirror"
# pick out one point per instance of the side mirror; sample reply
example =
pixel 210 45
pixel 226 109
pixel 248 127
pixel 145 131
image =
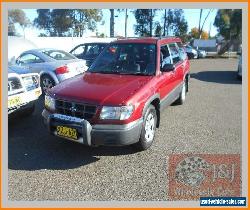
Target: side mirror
pixel 168 67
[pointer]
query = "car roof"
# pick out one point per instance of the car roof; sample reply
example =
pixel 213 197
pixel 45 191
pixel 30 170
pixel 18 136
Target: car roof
pixel 40 50
pixel 148 40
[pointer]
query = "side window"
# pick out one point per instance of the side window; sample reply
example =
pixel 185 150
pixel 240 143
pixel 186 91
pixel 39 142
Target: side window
pixel 182 52
pixel 92 50
pixel 29 59
pixel 174 51
pixel 79 50
pixel 165 56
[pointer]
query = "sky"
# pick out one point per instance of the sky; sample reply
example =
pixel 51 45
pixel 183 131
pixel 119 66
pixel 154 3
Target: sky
pixel 191 15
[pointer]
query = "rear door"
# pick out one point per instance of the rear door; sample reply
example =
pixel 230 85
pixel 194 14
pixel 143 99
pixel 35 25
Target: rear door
pixel 178 62
pixel 167 79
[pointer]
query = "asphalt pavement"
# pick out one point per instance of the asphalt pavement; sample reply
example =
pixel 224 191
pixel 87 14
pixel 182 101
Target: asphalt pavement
pixel 44 167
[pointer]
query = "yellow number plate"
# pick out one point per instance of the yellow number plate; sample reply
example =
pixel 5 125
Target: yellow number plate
pixel 67 132
pixel 16 101
pixel 38 92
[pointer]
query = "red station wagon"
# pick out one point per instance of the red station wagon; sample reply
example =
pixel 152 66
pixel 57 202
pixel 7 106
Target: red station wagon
pixel 119 100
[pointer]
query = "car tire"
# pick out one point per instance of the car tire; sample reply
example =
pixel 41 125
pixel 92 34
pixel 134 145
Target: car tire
pixel 148 129
pixel 47 82
pixel 183 93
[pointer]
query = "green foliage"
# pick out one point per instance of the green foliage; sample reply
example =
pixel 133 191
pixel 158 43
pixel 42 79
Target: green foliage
pixel 61 22
pixel 17 16
pixel 174 23
pixel 229 23
pixel 144 21
pixel 158 30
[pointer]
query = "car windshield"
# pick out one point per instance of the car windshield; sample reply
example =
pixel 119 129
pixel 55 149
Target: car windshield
pixel 126 58
pixel 58 54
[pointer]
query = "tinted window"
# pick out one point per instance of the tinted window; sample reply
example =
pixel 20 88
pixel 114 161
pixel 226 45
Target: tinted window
pixel 182 51
pixel 28 59
pixel 58 54
pixel 174 51
pixel 92 50
pixel 126 59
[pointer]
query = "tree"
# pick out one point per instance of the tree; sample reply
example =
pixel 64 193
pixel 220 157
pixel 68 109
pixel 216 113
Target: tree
pixel 144 21
pixel 229 21
pixel 158 30
pixel 201 26
pixel 43 21
pixel 84 19
pixel 11 27
pixel 229 25
pixel 174 23
pixel 59 22
pixel 168 21
pixel 19 16
pixel 180 24
pixel 196 34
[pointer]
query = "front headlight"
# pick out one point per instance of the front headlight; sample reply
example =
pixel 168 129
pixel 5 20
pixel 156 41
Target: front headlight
pixel 49 103
pixel 116 113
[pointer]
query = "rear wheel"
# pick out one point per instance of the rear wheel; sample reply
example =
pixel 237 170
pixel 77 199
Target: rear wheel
pixel 148 129
pixel 47 83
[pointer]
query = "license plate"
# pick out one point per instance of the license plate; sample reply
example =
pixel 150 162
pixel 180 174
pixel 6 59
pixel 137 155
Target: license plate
pixel 15 101
pixel 38 92
pixel 67 132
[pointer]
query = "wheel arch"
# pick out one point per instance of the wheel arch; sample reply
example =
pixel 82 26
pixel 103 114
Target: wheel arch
pixel 52 75
pixel 155 101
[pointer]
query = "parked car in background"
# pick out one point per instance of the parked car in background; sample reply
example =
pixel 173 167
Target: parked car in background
pixel 122 94
pixel 201 53
pixel 23 90
pixel 191 52
pixel 53 65
pixel 88 51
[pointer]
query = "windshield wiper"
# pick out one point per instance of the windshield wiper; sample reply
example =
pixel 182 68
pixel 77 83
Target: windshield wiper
pixel 103 72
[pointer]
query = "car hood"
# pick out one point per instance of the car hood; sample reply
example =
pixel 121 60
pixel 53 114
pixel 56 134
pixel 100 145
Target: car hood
pixel 101 89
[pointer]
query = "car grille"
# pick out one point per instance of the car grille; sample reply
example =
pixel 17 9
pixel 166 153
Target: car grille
pixel 14 84
pixel 82 111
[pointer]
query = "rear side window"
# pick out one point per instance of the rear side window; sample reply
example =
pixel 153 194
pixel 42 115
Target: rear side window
pixel 174 51
pixel 58 54
pixel 92 50
pixel 165 56
pixel 182 52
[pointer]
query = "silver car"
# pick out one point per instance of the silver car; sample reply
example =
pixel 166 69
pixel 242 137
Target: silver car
pixel 53 65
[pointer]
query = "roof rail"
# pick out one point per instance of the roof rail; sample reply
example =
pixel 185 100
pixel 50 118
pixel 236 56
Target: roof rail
pixel 163 37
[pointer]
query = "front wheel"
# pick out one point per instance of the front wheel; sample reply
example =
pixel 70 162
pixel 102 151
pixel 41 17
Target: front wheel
pixel 148 129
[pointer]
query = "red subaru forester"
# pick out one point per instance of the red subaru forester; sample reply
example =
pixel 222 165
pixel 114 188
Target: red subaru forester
pixel 119 100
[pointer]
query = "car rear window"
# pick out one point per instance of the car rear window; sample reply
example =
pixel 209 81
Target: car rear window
pixel 58 54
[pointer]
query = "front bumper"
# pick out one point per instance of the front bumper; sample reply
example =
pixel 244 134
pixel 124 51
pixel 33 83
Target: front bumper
pixel 26 98
pixel 95 135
